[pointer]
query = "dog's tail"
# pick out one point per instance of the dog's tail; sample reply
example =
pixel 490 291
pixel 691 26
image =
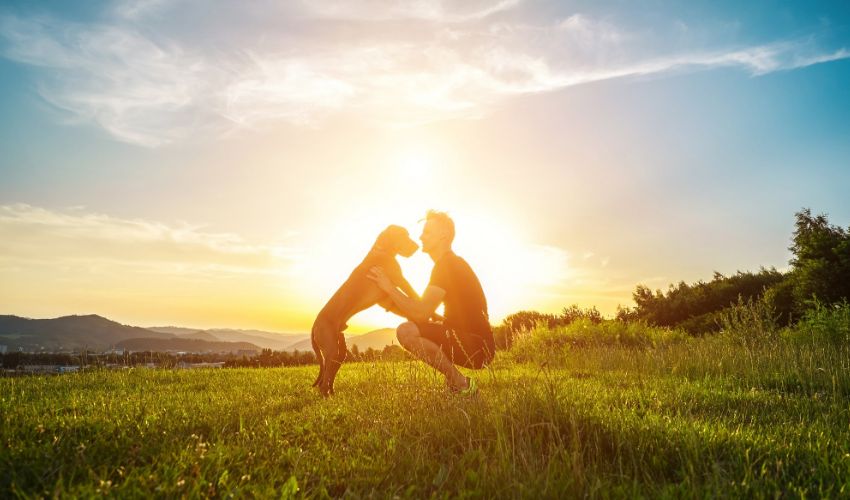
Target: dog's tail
pixel 319 358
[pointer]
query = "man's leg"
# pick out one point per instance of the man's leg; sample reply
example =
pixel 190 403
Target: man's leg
pixel 428 351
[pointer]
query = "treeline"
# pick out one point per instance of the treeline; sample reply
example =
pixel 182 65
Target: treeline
pixel 696 307
pixel 269 358
pixel 819 276
pixel 12 360
pixel 266 358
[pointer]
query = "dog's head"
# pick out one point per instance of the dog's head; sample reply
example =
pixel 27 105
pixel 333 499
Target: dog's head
pixel 396 240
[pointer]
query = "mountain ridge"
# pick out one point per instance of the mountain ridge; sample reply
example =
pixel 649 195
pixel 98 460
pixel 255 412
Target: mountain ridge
pixel 94 332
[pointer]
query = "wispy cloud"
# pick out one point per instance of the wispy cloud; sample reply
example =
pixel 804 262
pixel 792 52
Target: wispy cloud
pixel 406 62
pixel 32 235
pixel 430 10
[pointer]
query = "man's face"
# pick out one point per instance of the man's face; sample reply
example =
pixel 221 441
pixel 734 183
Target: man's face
pixel 431 236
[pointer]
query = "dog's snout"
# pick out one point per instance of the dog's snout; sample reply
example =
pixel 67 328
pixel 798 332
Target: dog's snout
pixel 409 247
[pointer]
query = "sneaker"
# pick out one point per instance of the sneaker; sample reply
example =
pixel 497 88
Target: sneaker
pixel 471 388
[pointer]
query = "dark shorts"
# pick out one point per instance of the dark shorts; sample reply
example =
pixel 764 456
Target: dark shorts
pixel 465 349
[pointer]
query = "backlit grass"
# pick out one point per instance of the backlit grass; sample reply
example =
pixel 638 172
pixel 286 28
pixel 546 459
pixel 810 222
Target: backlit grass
pixel 677 417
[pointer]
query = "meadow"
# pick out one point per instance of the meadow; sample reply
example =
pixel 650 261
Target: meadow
pixel 599 410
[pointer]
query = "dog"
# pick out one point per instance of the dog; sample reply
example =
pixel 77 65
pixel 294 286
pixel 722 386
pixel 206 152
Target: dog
pixel 356 294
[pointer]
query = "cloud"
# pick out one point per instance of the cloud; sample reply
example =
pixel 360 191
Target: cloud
pixel 140 90
pixel 430 10
pixel 49 238
pixel 402 63
pixel 135 9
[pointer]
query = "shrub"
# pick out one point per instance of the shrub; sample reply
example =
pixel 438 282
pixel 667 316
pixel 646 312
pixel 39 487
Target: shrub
pixel 825 324
pixel 780 298
pixel 543 343
pixel 749 322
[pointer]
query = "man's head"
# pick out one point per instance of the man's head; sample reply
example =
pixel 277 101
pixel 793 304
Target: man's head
pixel 396 240
pixel 437 233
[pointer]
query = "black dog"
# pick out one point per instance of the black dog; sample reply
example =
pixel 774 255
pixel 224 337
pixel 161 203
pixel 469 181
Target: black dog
pixel 356 294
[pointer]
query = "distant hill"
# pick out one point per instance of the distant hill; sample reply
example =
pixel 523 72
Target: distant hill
pixel 376 339
pixel 200 335
pixel 267 340
pixel 96 333
pixel 174 330
pixel 68 333
pixel 184 344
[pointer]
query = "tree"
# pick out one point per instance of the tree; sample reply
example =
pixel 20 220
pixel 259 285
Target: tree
pixel 821 262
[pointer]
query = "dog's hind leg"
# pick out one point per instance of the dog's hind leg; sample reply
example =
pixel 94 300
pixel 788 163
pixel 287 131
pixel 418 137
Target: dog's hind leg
pixel 333 365
pixel 325 339
pixel 319 358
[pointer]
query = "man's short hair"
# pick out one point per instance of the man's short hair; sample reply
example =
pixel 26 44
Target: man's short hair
pixel 443 220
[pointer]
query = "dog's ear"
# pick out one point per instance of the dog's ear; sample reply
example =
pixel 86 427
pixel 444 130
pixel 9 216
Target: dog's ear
pixel 384 241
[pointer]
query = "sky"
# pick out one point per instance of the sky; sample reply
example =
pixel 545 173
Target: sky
pixel 227 164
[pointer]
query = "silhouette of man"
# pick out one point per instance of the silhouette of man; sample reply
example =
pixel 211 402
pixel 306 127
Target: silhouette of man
pixel 464 338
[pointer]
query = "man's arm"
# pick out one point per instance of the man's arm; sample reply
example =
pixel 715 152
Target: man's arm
pixel 419 310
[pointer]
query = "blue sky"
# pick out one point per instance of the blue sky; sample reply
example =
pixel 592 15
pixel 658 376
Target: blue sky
pixel 222 150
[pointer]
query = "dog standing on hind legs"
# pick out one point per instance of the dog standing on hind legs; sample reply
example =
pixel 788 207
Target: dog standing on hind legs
pixel 356 294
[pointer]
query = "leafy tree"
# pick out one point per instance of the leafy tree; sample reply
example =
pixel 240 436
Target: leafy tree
pixel 821 263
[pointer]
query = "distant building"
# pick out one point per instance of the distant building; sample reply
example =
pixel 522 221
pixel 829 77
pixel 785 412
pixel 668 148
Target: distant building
pixel 247 352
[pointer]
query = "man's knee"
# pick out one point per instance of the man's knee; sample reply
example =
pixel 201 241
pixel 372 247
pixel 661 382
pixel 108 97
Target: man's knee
pixel 406 332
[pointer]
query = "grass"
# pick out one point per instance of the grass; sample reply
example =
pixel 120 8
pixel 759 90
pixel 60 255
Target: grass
pixel 613 412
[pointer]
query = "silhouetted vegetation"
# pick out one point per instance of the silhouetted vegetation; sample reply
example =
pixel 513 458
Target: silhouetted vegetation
pixel 11 360
pixel 526 320
pixel 695 307
pixel 820 273
pixel 268 358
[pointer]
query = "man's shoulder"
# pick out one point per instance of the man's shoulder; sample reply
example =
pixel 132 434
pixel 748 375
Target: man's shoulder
pixel 459 265
pixel 452 259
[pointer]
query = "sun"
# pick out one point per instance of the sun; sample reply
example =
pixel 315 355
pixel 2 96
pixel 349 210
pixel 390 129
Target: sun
pixel 415 167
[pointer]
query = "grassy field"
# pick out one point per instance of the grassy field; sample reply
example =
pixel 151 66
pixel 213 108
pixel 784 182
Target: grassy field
pixel 589 410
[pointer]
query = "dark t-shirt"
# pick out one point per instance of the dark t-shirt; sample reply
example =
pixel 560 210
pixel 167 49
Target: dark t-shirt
pixel 465 304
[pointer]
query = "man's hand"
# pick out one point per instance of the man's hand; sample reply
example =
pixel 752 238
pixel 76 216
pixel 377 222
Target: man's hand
pixel 377 275
pixel 414 309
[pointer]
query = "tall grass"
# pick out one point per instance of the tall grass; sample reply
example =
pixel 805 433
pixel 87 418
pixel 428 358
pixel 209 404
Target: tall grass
pixel 611 410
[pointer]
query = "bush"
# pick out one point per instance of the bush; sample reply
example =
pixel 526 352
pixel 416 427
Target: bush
pixel 524 321
pixel 825 325
pixel 749 322
pixel 780 298
pixel 545 344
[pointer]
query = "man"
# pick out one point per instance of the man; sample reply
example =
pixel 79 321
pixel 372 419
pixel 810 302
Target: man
pixel 464 338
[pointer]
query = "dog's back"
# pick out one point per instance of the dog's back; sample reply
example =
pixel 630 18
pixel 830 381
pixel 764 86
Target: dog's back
pixel 358 292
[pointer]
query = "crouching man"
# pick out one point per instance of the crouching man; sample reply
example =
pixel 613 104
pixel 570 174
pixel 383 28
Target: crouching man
pixel 464 337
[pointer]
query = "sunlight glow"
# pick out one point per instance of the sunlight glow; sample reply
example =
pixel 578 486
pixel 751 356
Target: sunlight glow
pixel 510 269
pixel 415 167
